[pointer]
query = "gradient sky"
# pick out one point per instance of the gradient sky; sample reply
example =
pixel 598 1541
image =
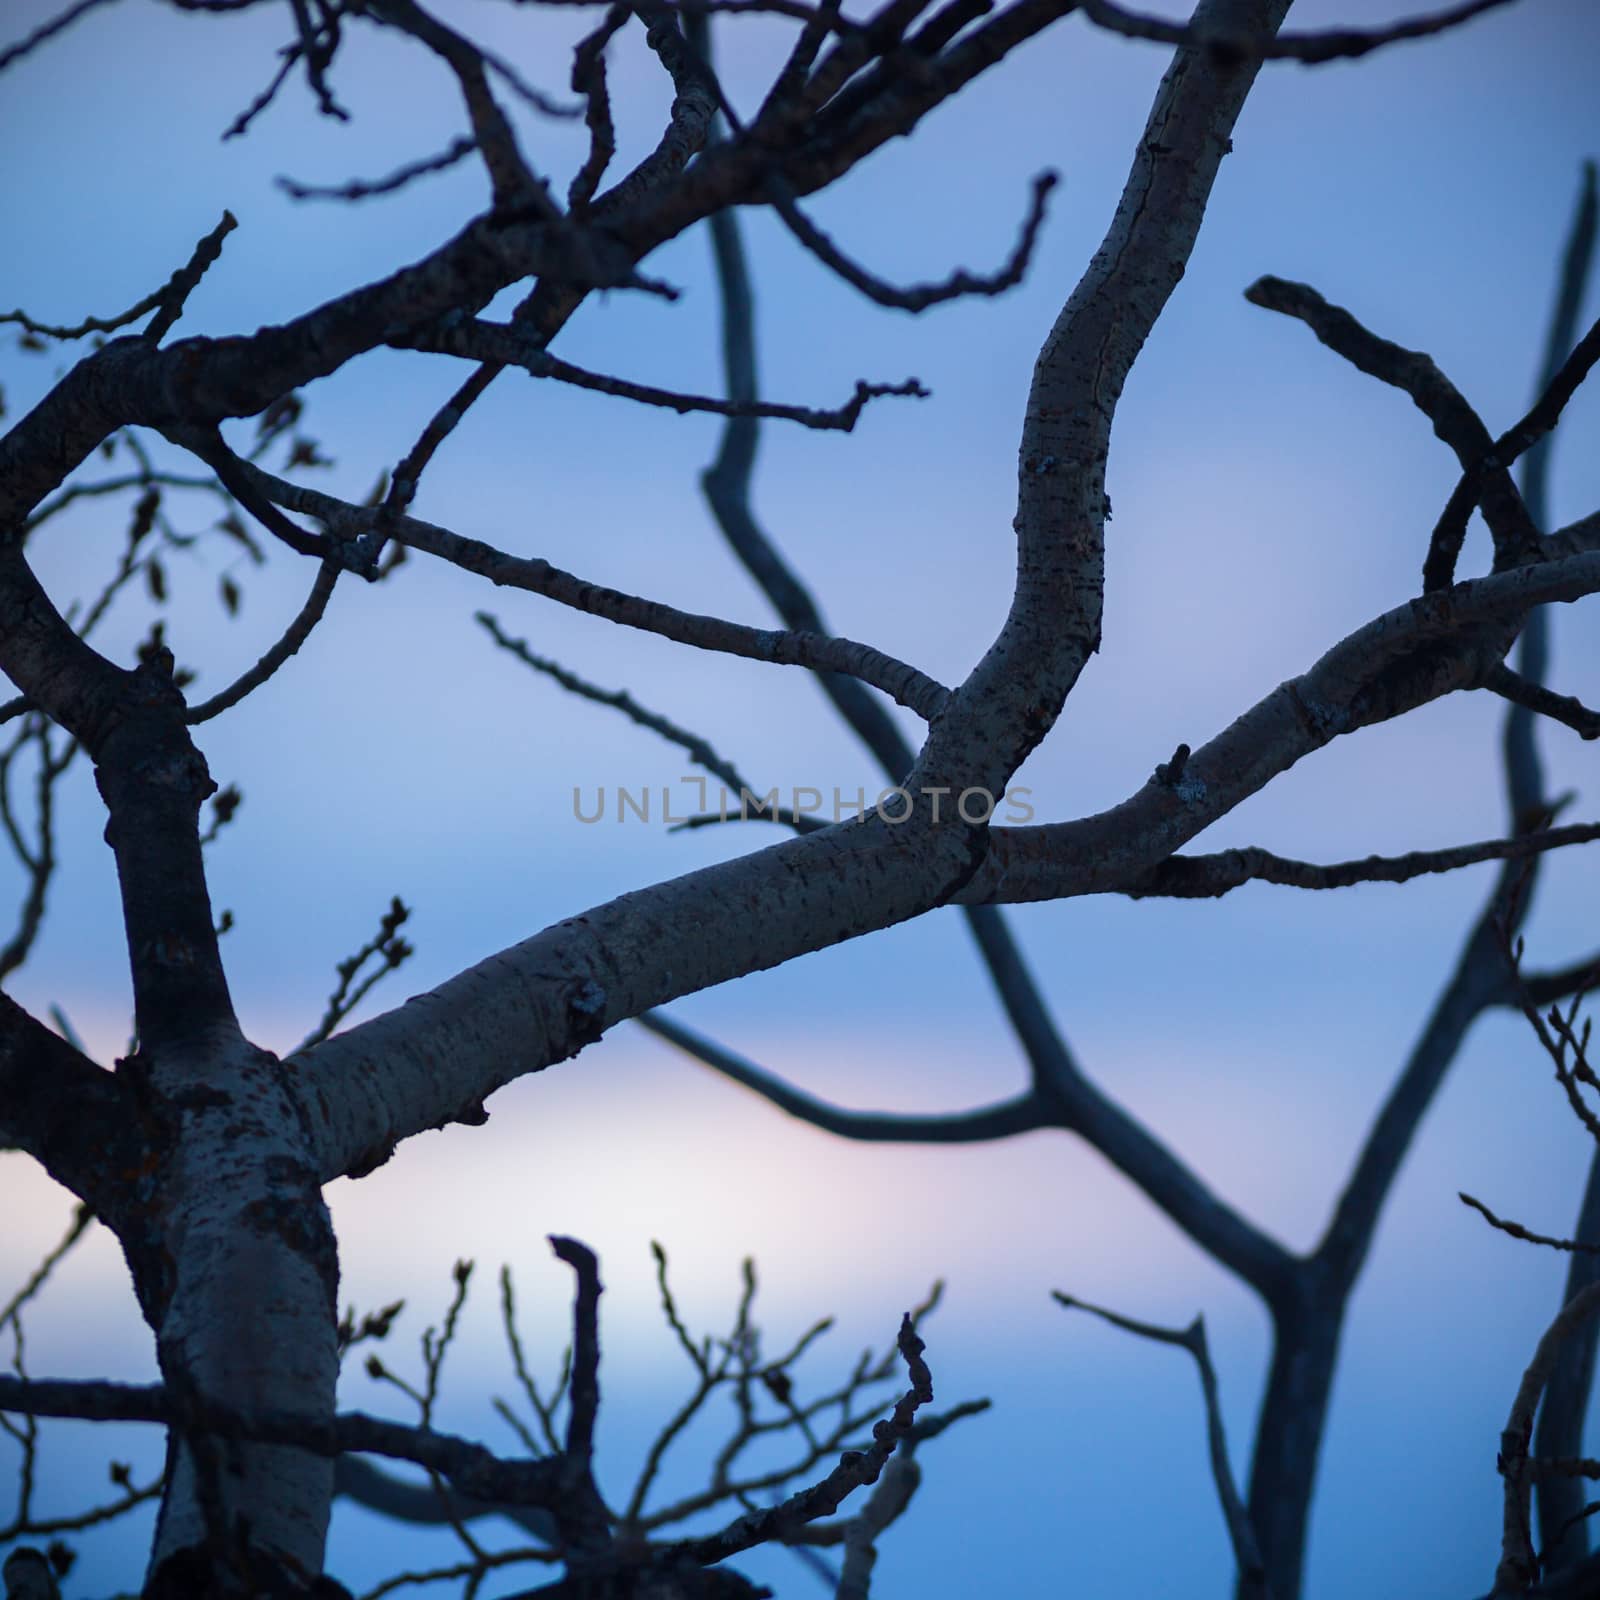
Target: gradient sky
pixel 1267 499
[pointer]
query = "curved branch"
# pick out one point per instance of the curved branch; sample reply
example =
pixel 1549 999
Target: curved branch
pixel 1433 394
pixel 1518 1566
pixel 1002 1120
pixel 958 285
pixel 295 635
pixel 1310 49
pixel 1062 1098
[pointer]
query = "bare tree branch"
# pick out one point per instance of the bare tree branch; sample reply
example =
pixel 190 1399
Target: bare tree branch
pixel 1197 877
pixel 1517 1231
pixel 1545 702
pixel 504 345
pixel 365 188
pixel 960 283
pixel 1241 1531
pixel 48 30
pixel 1518 1566
pixel 902 683
pixel 1454 421
pixel 1001 1121
pixel 1332 44
pixel 295 635
pixel 167 301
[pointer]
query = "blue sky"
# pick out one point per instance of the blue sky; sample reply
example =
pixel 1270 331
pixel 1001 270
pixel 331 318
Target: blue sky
pixel 1267 499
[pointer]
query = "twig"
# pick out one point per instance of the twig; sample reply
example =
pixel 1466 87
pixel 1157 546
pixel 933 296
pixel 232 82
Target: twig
pixel 1517 1231
pixel 698 749
pixel 82 1216
pixel 542 1409
pixel 1333 44
pixel 241 123
pixel 469 1466
pixel 38 860
pixel 855 1470
pixel 184 281
pixel 167 301
pixel 1241 1531
pixel 47 30
pixel 294 636
pixel 1545 702
pixel 130 1498
pixel 1004 1119
pixel 960 283
pixel 347 994
pixel 888 1500
pixel 505 345
pixel 902 683
pixel 1201 877
pixel 236 476
pixel 364 188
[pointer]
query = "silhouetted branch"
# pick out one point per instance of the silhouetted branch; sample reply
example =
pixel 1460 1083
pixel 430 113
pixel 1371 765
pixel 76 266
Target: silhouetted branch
pixel 959 284
pixel 389 951
pixel 900 682
pixel 1517 1231
pixel 698 749
pixel 512 179
pixel 1565 366
pixel 1241 1531
pixel 1544 702
pixel 1518 1566
pixel 364 188
pixel 855 1469
pixel 1416 374
pixel 505 345
pixel 47 30
pixel 167 301
pixel 1332 44
pixel 1000 1121
pixel 295 635
pixel 1198 877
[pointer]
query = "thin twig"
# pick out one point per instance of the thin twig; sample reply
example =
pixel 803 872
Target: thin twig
pixel 1241 1531
pixel 82 1216
pixel 1333 44
pixel 902 683
pixel 47 30
pixel 364 188
pixel 1202 877
pixel 503 344
pixel 959 284
pixel 167 301
pixel 1517 1231
pixel 295 635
